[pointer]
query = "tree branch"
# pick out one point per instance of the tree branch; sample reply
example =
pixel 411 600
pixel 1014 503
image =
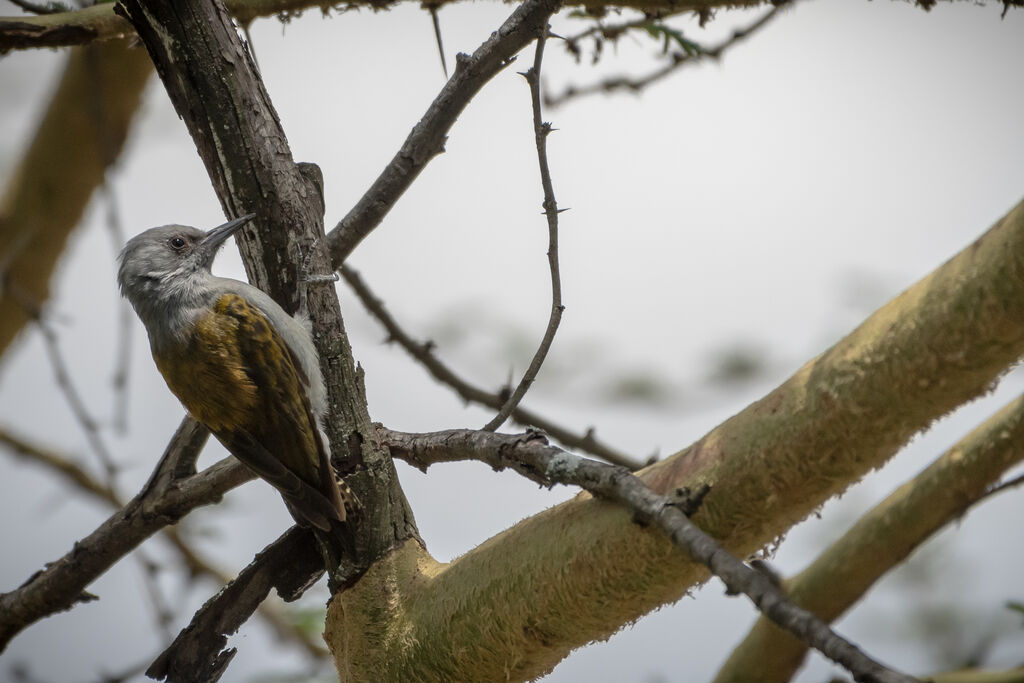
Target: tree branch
pixel 541 130
pixel 423 352
pixel 289 565
pixel 881 540
pixel 100 23
pixel 195 565
pixel 531 456
pixel 427 138
pixel 842 415
pixel 165 499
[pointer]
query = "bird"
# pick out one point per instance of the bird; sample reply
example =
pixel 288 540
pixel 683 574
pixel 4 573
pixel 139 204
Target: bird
pixel 242 367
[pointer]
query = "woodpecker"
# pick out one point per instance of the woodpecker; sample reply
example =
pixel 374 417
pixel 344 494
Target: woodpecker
pixel 241 366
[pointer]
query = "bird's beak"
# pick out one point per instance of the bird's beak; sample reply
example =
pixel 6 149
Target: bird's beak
pixel 209 245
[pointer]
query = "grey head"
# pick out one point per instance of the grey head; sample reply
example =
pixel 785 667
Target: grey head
pixel 165 271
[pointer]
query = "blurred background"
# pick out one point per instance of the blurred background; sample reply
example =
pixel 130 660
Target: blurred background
pixel 727 225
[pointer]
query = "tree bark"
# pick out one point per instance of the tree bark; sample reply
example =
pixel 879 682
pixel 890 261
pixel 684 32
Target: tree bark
pixel 212 81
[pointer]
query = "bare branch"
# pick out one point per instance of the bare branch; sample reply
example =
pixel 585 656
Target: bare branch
pixel 195 565
pixel 427 138
pixel 841 415
pixel 164 500
pixel 290 565
pixel 530 455
pixel 677 60
pixel 424 353
pixel 436 21
pixel 541 130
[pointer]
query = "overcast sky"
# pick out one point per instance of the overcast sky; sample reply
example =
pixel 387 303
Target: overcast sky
pixel 765 203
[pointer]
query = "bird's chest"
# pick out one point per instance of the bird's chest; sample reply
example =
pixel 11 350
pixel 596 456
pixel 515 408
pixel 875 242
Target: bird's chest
pixel 205 369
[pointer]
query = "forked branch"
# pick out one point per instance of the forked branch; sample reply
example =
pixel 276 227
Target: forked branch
pixel 541 130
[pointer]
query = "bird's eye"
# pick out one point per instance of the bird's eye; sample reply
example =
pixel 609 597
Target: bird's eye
pixel 177 243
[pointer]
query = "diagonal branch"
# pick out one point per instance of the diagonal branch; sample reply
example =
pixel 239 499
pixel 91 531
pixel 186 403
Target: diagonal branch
pixel 423 352
pixel 541 130
pixel 427 138
pixel 165 499
pixel 883 538
pixel 195 565
pixel 289 565
pixel 531 456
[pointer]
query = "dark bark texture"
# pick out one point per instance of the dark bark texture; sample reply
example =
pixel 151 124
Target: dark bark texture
pixel 213 84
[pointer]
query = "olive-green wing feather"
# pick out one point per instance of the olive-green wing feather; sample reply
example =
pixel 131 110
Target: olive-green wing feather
pixel 278 436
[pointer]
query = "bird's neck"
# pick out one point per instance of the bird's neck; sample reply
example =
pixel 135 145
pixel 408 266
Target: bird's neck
pixel 170 311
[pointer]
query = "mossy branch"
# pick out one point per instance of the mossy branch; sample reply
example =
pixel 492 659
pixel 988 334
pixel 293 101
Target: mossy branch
pixel 881 540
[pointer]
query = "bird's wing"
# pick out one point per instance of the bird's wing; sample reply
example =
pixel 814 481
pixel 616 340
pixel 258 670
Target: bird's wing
pixel 306 503
pixel 278 436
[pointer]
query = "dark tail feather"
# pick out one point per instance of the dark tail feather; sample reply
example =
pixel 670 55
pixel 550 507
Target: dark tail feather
pixel 338 549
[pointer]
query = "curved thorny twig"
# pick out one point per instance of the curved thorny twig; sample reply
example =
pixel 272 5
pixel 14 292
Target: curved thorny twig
pixel 541 130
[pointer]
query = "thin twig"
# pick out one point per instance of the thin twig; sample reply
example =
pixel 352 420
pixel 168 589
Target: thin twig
pixel 249 45
pixel 437 37
pixel 423 352
pixel 676 61
pixel 67 387
pixel 613 31
pixel 427 138
pixel 65 466
pixel 541 130
pixel 530 455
